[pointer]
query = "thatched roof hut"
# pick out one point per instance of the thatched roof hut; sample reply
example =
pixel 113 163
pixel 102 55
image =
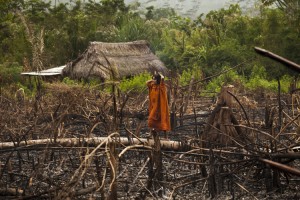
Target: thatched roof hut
pixel 105 60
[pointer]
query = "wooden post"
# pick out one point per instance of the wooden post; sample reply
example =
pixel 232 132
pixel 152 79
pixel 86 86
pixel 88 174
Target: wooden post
pixel 173 120
pixel 212 184
pixel 155 175
pixel 113 159
pixel 279 105
pixel 157 158
pixel 187 97
pixel 268 178
pixel 225 98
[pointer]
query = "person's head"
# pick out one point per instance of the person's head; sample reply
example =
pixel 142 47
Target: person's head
pixel 157 77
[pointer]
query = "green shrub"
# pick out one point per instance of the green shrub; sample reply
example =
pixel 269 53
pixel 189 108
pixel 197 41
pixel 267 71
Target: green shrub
pixel 187 75
pixel 10 73
pixel 285 82
pixel 90 82
pixel 230 77
pixel 93 82
pixel 29 92
pixel 136 83
pixel 69 81
pixel 261 83
pixel 258 80
pixel 269 85
pixel 258 72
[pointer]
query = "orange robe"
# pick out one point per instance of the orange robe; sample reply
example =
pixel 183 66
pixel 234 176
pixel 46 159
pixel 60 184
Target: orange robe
pixel 159 118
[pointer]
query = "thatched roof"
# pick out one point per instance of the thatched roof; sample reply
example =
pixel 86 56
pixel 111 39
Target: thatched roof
pixel 102 59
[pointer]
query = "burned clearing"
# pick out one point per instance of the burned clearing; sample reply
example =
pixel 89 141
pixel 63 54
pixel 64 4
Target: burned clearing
pixel 74 142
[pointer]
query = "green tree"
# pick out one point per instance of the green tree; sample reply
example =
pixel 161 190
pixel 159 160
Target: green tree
pixel 277 37
pixel 291 9
pixel 210 43
pixel 149 14
pixel 12 41
pixel 175 38
pixel 57 42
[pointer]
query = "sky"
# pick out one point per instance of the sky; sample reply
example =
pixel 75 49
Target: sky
pixel 193 8
pixel 188 8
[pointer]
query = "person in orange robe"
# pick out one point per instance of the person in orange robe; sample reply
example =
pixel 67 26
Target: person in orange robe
pixel 159 118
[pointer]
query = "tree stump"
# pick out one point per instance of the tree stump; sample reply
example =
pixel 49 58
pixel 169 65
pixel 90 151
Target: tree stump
pixel 218 132
pixel 219 127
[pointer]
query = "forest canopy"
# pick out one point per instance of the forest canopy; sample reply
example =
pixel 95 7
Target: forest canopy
pixel 36 35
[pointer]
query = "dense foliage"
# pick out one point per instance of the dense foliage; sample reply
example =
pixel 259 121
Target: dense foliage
pixel 38 35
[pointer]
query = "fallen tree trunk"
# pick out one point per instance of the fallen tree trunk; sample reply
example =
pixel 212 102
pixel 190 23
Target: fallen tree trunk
pixel 282 167
pixel 293 155
pixel 94 141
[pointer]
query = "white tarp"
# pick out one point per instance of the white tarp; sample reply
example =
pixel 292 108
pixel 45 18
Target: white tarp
pixel 47 72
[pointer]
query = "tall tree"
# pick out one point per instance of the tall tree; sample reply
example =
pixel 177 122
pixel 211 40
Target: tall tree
pixel 291 9
pixel 11 36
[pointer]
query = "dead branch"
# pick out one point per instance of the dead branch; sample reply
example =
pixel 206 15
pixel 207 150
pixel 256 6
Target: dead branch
pixel 281 166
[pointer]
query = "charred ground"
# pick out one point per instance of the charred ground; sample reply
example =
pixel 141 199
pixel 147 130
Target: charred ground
pixel 228 150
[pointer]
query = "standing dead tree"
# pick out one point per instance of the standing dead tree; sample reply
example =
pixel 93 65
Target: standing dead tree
pixel 36 41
